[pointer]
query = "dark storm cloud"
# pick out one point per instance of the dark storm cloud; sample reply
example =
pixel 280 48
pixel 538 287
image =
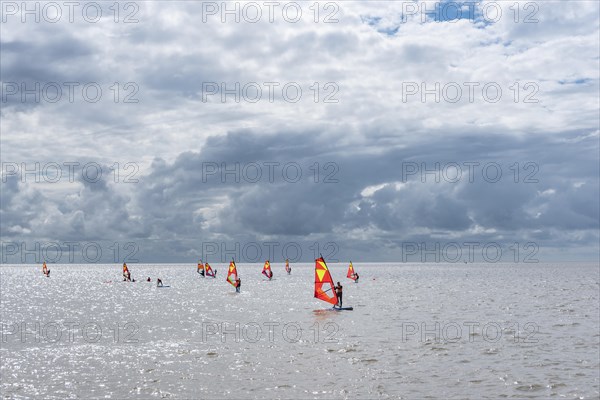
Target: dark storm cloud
pixel 86 209
pixel 179 202
pixel 172 192
pixel 57 57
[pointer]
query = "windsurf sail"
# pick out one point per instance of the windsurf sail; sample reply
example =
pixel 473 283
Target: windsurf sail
pixel 200 269
pixel 208 270
pixel 351 274
pixel 45 269
pixel 288 269
pixel 232 274
pixel 324 287
pixel 267 270
pixel 126 273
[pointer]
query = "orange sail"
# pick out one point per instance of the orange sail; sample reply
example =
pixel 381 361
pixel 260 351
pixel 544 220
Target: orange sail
pixel 267 270
pixel 208 270
pixel 324 288
pixel 125 269
pixel 45 269
pixel 287 266
pixel 351 273
pixel 232 274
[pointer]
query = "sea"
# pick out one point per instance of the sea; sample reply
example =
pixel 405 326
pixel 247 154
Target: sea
pixel 416 331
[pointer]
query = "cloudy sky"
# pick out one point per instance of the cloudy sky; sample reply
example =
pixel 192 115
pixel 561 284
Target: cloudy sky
pixel 168 131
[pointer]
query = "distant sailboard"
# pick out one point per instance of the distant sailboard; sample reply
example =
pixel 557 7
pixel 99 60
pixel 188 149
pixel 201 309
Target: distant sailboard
pixel 267 270
pixel 232 275
pixel 209 272
pixel 45 270
pixel 351 274
pixel 288 269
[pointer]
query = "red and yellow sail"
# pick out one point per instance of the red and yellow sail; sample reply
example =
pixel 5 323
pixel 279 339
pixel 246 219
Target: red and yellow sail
pixel 267 270
pixel 324 287
pixel 287 266
pixel 232 274
pixel 351 273
pixel 200 266
pixel 45 269
pixel 208 270
pixel 125 269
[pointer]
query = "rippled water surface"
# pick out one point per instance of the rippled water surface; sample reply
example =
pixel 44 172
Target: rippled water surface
pixel 416 331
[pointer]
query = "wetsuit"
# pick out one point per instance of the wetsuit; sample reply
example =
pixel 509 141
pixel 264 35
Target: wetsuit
pixel 338 291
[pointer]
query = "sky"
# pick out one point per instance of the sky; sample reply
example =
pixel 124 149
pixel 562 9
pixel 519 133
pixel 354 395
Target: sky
pixel 168 132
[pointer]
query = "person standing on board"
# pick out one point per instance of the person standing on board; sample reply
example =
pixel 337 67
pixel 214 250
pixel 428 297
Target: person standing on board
pixel 238 284
pixel 159 282
pixel 355 277
pixel 338 292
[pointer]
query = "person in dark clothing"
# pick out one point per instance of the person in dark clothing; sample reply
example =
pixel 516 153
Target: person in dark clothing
pixel 339 292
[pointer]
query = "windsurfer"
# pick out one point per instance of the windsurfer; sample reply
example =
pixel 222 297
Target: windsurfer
pixel 338 292
pixel 45 270
pixel 238 284
pixel 356 277
pixel 209 271
pixel 158 282
pixel 126 273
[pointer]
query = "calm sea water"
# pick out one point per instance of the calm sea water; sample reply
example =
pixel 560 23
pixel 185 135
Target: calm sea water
pixel 416 331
